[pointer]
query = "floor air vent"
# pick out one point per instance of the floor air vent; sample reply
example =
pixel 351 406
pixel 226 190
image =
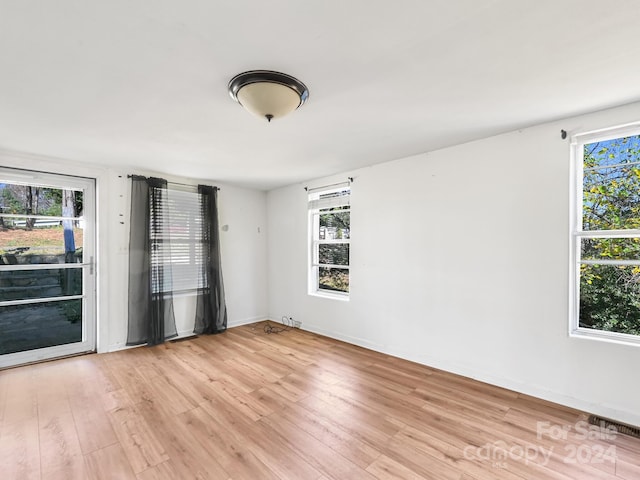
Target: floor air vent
pixel 620 427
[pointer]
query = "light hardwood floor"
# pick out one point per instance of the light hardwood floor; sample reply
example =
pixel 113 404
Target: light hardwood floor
pixel 294 405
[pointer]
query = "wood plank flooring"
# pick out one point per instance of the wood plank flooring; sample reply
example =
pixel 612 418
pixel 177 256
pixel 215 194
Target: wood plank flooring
pixel 294 405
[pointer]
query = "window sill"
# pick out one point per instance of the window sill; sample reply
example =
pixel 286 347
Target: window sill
pixel 343 297
pixel 609 337
pixel 184 293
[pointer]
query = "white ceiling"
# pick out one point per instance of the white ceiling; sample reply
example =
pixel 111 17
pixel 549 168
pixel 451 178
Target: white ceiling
pixel 144 83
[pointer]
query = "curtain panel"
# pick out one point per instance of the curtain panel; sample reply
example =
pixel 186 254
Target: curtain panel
pixel 151 315
pixel 211 309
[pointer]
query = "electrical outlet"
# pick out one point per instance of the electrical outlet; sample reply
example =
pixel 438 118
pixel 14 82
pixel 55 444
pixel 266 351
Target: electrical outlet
pixel 291 322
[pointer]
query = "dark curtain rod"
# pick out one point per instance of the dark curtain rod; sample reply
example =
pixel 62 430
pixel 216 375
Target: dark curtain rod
pixel 174 183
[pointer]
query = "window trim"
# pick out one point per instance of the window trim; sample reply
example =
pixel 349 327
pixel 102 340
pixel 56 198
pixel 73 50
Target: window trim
pixel 313 264
pixel 576 234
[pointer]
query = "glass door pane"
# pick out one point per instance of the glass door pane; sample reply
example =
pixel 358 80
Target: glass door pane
pixel 46 266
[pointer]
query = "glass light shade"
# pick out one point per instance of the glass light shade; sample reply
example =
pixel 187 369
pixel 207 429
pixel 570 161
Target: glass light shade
pixel 268 94
pixel 270 100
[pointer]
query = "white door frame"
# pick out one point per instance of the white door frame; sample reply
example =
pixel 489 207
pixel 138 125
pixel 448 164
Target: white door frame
pixel 88 342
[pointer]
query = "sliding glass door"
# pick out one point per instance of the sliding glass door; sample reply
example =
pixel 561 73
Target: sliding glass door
pixel 47 279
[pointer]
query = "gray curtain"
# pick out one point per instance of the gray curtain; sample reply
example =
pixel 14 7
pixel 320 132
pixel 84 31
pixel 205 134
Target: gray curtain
pixel 151 317
pixel 211 309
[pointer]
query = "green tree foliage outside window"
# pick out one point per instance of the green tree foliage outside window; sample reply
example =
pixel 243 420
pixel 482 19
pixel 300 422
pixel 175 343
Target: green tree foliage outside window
pixel 31 200
pixel 609 275
pixel 334 225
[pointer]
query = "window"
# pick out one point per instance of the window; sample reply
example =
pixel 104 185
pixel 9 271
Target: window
pixel 606 235
pixel 179 242
pixel 330 234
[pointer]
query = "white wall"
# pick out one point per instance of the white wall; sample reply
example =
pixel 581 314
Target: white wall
pixel 243 247
pixel 460 260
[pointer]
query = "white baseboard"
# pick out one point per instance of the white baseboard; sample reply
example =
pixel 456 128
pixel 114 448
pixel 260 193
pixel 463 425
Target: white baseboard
pixel 246 321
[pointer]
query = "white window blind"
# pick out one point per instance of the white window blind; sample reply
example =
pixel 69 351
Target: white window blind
pixel 321 200
pixel 179 245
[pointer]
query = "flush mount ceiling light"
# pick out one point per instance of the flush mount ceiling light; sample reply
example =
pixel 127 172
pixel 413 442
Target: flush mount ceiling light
pixel 268 94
